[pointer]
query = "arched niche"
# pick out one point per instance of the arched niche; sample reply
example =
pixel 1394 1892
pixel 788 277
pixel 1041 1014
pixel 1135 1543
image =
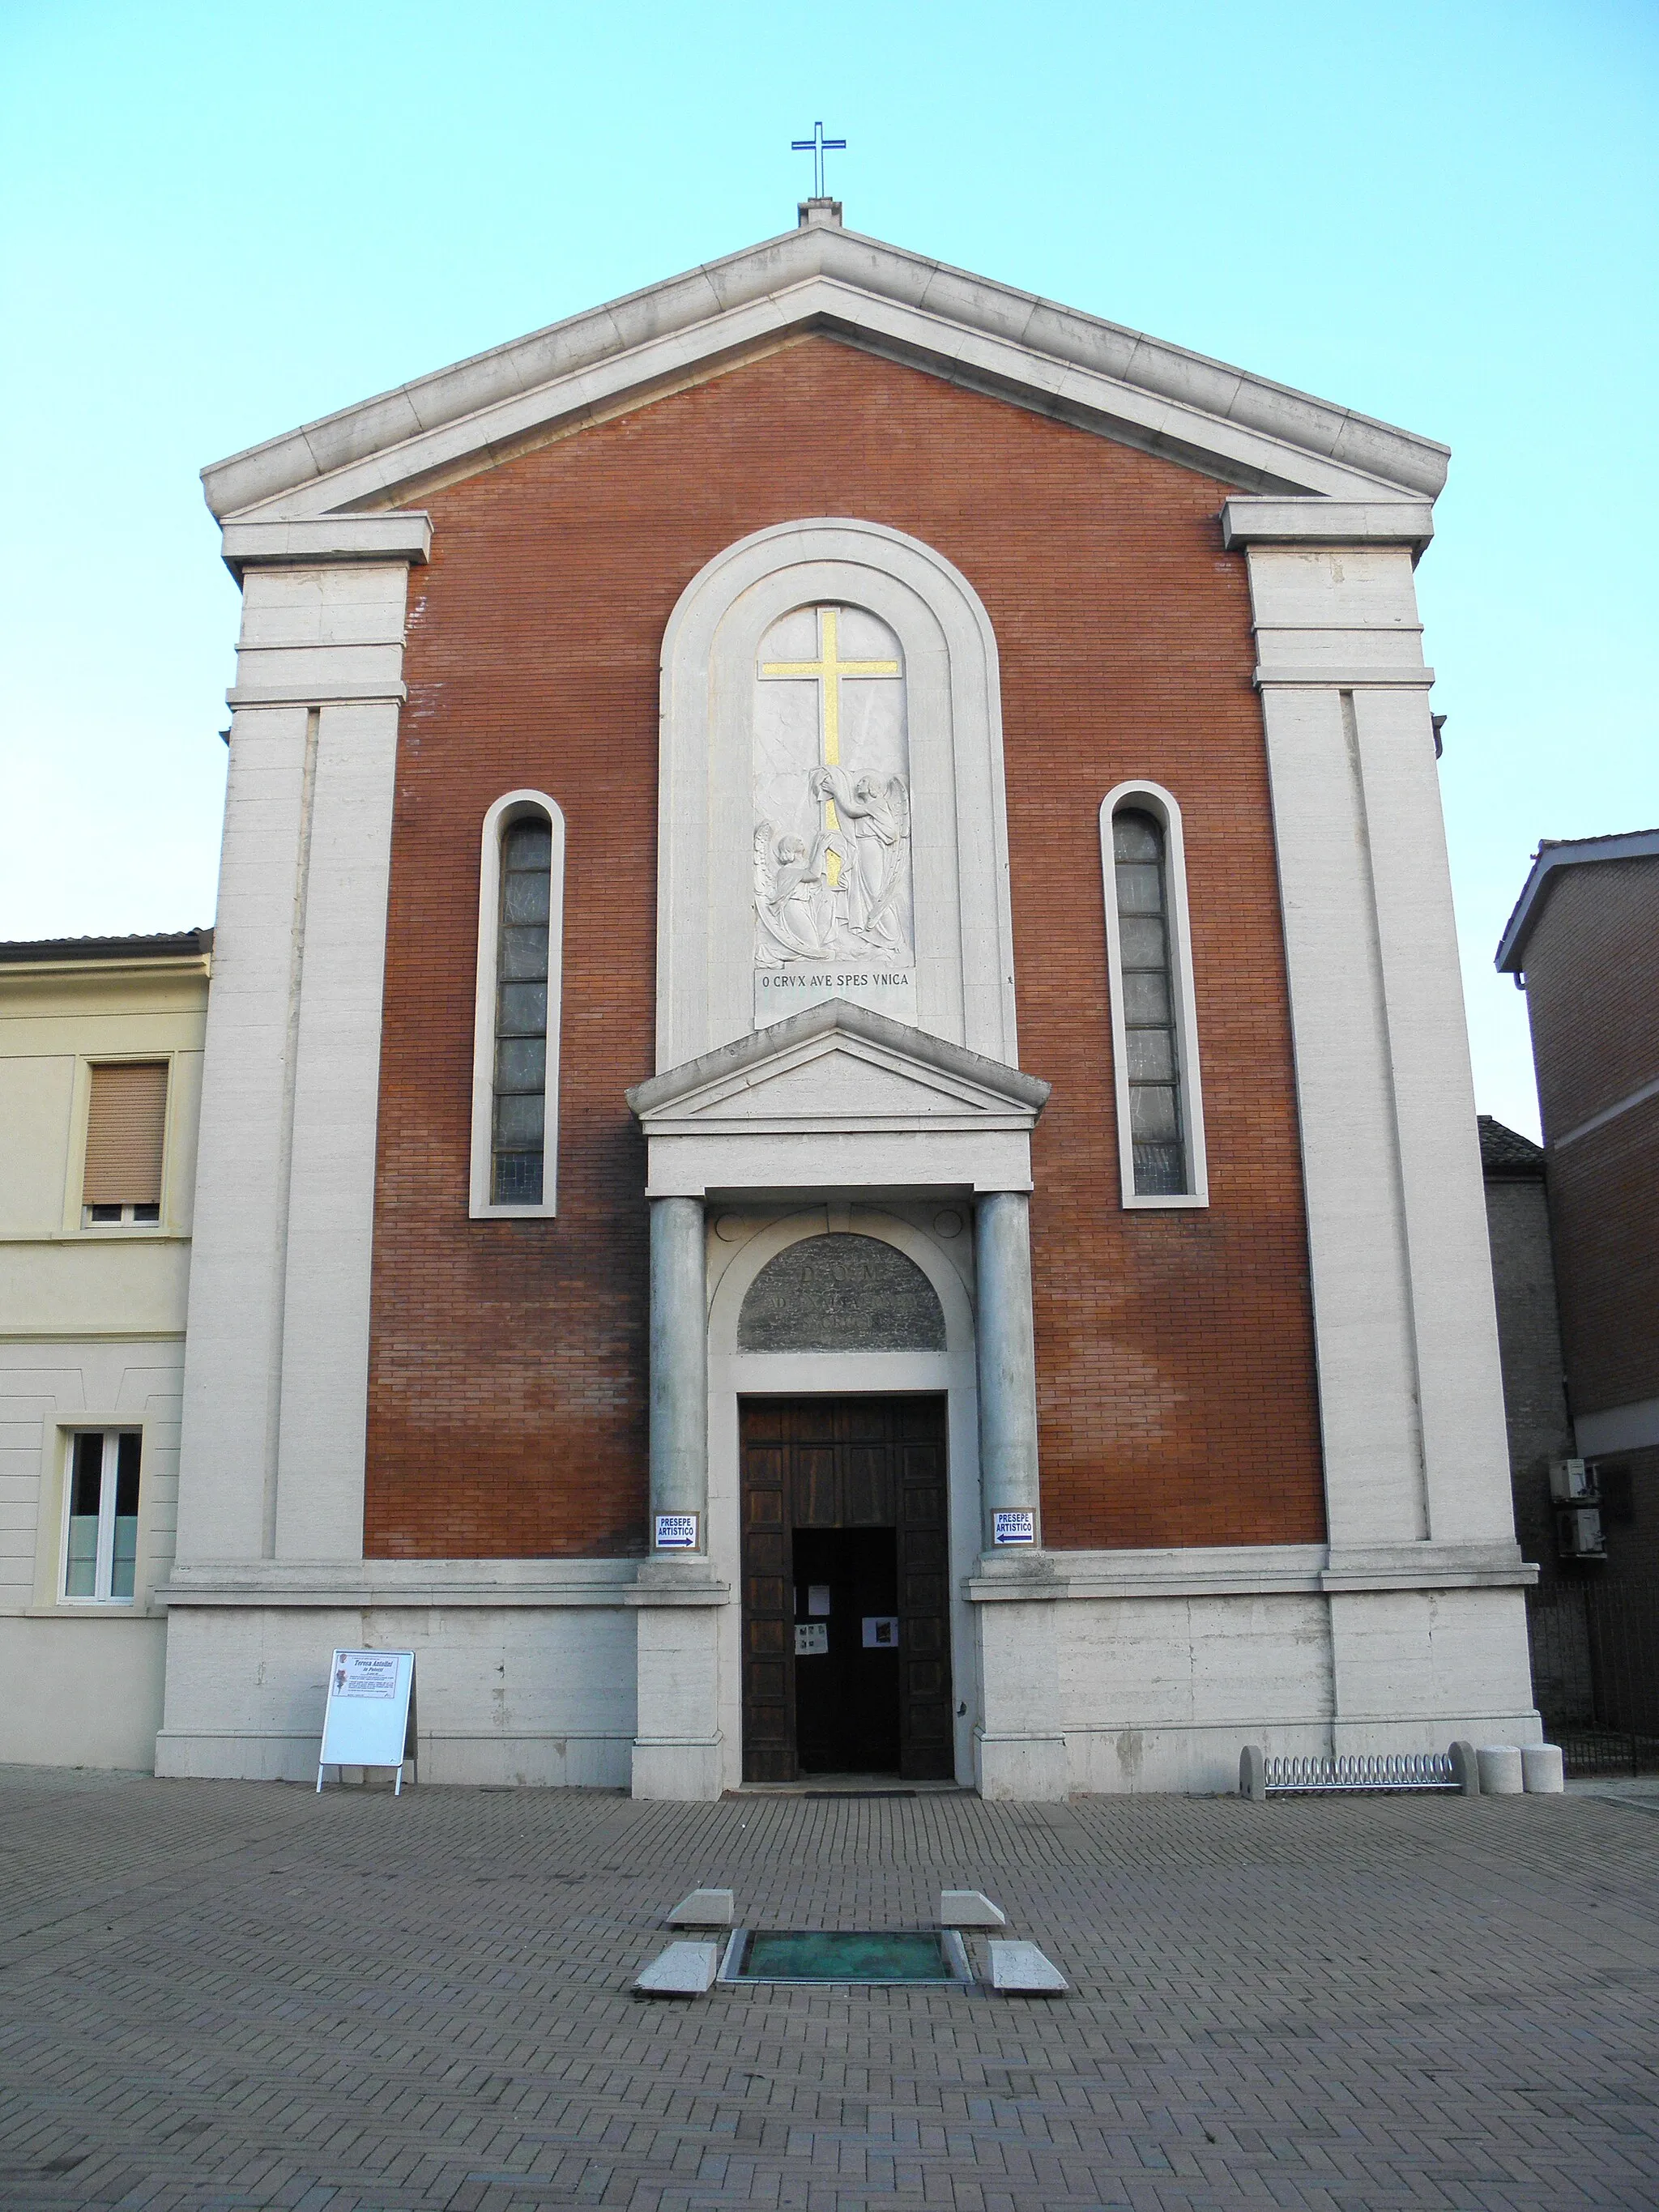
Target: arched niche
pixel 706 909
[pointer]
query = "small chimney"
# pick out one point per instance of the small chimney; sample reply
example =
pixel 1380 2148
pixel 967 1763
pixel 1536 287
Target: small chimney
pixel 819 214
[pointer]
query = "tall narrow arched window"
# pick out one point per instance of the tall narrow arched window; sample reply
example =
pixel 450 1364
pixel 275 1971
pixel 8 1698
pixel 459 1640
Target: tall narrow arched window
pixel 1154 1034
pixel 515 1062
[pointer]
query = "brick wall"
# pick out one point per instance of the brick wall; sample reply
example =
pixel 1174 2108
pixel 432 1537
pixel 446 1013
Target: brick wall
pixel 1592 1003
pixel 507 1407
pixel 1593 988
pixel 1529 1344
pixel 1604 1202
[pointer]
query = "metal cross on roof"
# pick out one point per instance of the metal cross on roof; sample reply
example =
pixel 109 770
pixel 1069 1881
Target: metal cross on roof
pixel 817 146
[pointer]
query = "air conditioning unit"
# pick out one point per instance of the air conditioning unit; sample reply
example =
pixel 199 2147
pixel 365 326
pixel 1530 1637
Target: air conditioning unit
pixel 1572 1482
pixel 1578 1533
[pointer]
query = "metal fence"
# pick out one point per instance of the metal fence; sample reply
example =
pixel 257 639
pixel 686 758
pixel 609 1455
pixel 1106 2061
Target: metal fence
pixel 1596 1674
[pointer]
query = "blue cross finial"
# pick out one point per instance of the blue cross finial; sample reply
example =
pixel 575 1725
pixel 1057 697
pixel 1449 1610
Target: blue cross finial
pixel 817 146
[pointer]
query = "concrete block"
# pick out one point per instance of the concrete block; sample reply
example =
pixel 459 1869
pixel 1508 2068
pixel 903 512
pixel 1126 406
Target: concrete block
pixel 703 1908
pixel 683 1969
pixel 1466 1765
pixel 1542 1770
pixel 1253 1774
pixel 1500 1770
pixel 969 1908
pixel 1020 1969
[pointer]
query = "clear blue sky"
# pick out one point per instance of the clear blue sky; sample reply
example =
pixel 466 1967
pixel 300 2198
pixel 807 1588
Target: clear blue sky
pixel 218 222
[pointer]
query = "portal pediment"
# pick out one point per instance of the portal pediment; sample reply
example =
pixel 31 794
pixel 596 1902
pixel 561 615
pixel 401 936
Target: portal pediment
pixel 837 1069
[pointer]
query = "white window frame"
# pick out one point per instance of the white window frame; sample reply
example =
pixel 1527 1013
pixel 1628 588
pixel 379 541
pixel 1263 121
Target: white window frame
pixel 515 806
pixel 104 1565
pixel 1153 799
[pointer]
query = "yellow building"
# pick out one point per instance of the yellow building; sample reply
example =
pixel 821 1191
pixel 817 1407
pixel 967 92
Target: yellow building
pixel 100 1081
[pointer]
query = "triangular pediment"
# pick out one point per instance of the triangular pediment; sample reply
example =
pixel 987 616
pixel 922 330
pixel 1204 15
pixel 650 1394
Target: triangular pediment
pixel 837 1067
pixel 1263 437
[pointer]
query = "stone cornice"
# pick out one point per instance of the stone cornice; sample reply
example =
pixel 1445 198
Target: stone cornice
pixel 1293 522
pixel 1262 435
pixel 462 1582
pixel 327 541
pixel 1254 1571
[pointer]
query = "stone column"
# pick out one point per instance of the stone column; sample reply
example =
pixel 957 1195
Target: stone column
pixel 677 1742
pixel 1007 1358
pixel 1019 1747
pixel 679 1365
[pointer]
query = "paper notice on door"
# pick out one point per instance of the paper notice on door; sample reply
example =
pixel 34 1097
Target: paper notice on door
pixel 818 1600
pixel 812 1639
pixel 880 1631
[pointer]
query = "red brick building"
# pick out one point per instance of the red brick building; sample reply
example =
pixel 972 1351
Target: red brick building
pixel 837 1132
pixel 1583 941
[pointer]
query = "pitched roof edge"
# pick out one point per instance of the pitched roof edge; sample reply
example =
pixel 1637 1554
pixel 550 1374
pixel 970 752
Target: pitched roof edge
pixel 1506 1155
pixel 1066 337
pixel 79 951
pixel 1551 856
pixel 830 1017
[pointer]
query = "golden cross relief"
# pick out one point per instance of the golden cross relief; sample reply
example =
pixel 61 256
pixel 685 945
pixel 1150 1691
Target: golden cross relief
pixel 829 671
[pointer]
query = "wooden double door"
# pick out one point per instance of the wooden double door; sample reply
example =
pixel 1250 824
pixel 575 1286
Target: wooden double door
pixel 846 1588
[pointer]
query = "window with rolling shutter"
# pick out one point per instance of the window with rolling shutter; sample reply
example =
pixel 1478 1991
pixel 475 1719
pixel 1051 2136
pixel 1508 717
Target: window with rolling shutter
pixel 126 1131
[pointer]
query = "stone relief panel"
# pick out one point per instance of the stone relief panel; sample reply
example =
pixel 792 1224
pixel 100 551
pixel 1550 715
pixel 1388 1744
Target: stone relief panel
pixel 840 1293
pixel 834 892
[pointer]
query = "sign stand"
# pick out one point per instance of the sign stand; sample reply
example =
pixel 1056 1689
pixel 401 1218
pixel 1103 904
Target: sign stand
pixel 369 1720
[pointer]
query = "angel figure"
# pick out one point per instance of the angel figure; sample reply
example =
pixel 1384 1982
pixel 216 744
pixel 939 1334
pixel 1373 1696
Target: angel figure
pixel 793 905
pixel 877 811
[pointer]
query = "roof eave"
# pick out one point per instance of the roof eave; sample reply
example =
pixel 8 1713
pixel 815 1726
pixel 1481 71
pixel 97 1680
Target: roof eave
pixel 1547 863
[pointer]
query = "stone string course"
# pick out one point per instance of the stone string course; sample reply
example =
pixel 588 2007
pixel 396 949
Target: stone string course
pixel 220 1995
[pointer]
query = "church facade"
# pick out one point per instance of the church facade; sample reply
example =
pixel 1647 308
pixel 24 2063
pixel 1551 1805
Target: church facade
pixel 836 1130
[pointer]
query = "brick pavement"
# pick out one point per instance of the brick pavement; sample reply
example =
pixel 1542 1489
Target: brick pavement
pixel 216 1994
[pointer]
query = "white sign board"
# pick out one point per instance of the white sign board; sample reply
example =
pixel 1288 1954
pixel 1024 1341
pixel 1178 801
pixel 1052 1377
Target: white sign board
pixel 1017 1526
pixel 369 1719
pixel 677 1532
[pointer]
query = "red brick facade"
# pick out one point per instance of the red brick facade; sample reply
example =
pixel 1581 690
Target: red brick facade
pixel 507 1410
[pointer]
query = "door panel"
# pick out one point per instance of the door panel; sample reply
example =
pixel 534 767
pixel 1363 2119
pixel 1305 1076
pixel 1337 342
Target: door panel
pixel 815 1489
pixel 868 1499
pixel 812 1465
pixel 768 1690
